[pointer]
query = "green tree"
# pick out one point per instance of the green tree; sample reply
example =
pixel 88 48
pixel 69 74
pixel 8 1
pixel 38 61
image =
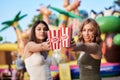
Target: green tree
pixel 35 18
pixel 1 38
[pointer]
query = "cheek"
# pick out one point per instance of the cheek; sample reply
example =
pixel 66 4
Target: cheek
pixel 91 33
pixel 45 35
pixel 83 33
pixel 36 33
pixel 92 36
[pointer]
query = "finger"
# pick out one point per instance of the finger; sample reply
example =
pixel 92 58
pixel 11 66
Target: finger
pixel 72 42
pixel 72 45
pixel 72 39
pixel 48 40
pixel 48 43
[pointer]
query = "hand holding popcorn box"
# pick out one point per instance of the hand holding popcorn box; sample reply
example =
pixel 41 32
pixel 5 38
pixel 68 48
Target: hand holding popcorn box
pixel 54 37
pixel 61 37
pixel 66 35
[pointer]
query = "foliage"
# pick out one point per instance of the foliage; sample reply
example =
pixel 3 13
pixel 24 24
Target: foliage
pixel 35 18
pixel 1 38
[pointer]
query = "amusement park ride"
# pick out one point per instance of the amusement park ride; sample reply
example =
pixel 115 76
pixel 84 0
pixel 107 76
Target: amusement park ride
pixel 108 20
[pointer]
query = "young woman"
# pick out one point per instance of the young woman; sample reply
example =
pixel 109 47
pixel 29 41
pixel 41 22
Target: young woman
pixel 37 60
pixel 89 42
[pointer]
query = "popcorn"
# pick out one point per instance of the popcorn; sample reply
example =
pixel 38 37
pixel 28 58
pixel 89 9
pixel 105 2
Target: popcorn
pixel 66 34
pixel 54 37
pixel 60 38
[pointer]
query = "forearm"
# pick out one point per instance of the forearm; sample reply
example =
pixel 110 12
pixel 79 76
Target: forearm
pixel 33 47
pixel 78 47
pixel 88 48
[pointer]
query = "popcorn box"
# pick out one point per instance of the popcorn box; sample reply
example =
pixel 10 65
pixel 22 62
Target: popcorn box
pixel 66 35
pixel 54 38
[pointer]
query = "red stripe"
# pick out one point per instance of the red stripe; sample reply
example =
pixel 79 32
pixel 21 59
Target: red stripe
pixel 49 37
pixel 51 40
pixel 64 30
pixel 54 33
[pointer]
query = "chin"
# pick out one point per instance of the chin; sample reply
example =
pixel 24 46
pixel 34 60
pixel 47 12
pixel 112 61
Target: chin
pixel 41 38
pixel 87 40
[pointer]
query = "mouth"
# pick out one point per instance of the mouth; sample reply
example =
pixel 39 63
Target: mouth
pixel 42 35
pixel 86 37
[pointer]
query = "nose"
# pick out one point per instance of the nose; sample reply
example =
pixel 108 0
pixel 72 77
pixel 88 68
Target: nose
pixel 42 30
pixel 86 32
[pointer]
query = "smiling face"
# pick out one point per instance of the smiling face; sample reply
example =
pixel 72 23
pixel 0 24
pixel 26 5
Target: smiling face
pixel 40 32
pixel 88 33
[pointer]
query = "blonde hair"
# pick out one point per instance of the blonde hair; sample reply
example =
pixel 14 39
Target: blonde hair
pixel 96 29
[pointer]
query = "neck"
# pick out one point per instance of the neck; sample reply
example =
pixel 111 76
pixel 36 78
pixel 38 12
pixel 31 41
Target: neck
pixel 39 41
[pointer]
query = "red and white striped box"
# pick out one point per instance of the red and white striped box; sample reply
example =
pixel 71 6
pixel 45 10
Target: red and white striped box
pixel 54 38
pixel 66 35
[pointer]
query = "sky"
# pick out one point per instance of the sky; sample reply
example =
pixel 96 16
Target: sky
pixel 9 8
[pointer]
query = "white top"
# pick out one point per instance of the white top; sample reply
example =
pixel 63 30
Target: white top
pixel 38 67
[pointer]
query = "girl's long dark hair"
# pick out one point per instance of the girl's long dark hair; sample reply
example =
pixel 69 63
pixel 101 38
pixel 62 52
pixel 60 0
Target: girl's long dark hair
pixel 33 37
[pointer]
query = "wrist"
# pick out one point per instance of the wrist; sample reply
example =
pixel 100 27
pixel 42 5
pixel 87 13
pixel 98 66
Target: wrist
pixel 42 47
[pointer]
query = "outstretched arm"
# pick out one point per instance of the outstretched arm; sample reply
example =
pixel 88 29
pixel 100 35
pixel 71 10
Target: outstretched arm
pixel 37 47
pixel 87 47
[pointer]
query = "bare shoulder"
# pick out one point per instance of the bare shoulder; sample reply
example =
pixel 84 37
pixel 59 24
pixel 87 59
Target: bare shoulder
pixel 27 48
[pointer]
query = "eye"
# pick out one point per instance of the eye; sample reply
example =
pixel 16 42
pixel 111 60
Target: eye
pixel 83 30
pixel 45 29
pixel 116 13
pixel 91 30
pixel 99 15
pixel 38 29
